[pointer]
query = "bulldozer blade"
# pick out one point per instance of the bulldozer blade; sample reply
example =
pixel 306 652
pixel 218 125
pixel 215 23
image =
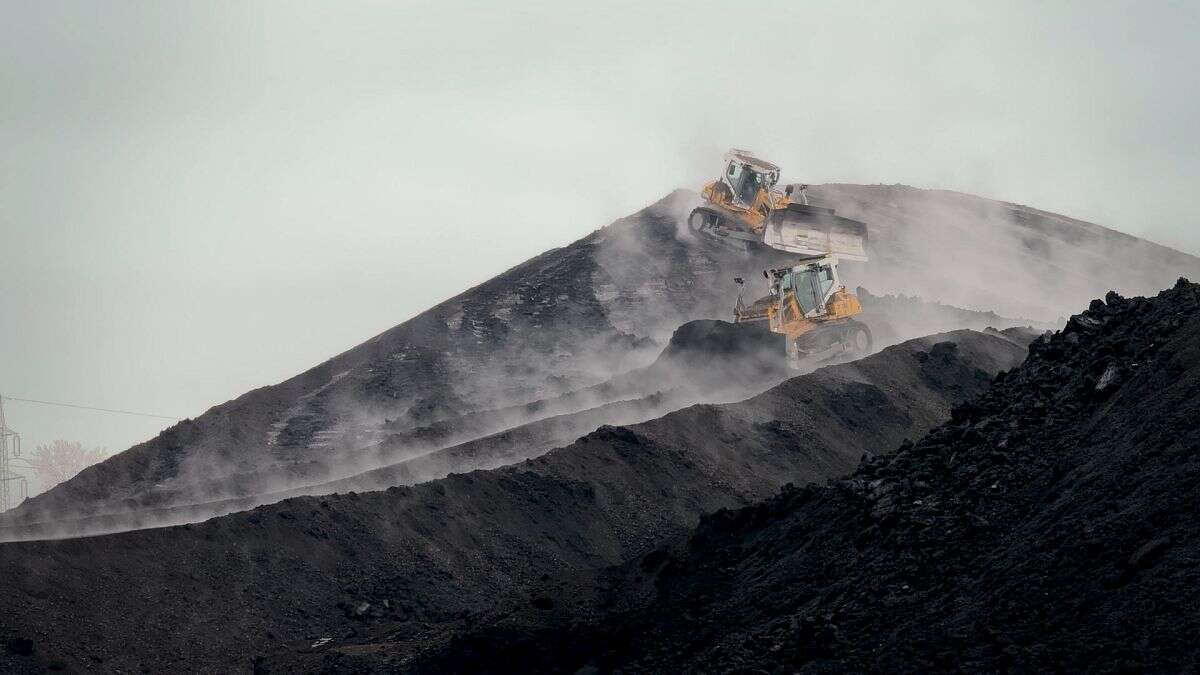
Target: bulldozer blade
pixel 815 231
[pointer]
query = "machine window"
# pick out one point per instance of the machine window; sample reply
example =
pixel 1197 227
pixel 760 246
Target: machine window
pixel 748 187
pixel 826 280
pixel 806 291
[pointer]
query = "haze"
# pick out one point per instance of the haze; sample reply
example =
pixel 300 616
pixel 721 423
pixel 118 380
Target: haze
pixel 199 199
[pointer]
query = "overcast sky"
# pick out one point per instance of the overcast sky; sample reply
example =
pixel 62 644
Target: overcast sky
pixel 201 198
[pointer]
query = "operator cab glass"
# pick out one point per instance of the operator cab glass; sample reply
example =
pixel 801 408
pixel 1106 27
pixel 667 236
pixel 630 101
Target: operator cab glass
pixel 785 283
pixel 745 182
pixel 805 283
pixel 826 280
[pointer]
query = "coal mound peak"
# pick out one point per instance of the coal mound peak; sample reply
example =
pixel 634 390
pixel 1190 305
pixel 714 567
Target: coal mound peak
pixel 1049 526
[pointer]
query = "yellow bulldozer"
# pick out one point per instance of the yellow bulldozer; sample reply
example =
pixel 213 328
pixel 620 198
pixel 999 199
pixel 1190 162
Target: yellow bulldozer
pixel 808 305
pixel 807 302
pixel 743 208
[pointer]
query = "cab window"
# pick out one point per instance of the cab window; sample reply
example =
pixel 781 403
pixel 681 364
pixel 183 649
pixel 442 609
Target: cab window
pixel 806 291
pixel 785 284
pixel 826 276
pixel 748 187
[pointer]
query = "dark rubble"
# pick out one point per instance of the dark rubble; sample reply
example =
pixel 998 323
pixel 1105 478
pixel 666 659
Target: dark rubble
pixel 1049 526
pixel 396 572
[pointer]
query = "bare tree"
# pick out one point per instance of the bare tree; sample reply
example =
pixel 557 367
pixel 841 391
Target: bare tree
pixel 61 460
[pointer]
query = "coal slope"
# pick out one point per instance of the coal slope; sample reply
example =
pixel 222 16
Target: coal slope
pixel 577 315
pixel 705 360
pixel 1050 526
pixel 570 318
pixel 718 349
pixel 717 357
pixel 391 573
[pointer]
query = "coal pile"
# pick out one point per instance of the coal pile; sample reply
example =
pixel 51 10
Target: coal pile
pixel 709 345
pixel 392 574
pixel 1049 526
pixel 707 361
pixel 575 317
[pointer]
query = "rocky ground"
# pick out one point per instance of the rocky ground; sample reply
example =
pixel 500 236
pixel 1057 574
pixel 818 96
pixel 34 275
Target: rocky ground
pixel 397 573
pixel 576 316
pixel 1048 526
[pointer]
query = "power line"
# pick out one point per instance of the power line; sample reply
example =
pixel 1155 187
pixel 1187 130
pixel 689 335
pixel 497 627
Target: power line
pixel 88 407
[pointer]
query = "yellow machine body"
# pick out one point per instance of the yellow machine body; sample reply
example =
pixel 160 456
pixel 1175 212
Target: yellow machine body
pixel 743 209
pixel 752 215
pixel 787 317
pixel 810 307
pixel 807 303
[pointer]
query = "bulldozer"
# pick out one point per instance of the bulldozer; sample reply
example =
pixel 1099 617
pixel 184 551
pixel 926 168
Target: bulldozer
pixel 807 302
pixel 744 210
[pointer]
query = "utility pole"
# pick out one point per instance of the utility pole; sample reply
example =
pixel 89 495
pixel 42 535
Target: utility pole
pixel 14 488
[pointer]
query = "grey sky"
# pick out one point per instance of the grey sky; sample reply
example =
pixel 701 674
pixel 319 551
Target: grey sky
pixel 200 198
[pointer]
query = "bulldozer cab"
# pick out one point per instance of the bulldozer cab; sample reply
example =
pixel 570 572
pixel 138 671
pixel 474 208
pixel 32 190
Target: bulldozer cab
pixel 739 202
pixel 746 176
pixel 811 284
